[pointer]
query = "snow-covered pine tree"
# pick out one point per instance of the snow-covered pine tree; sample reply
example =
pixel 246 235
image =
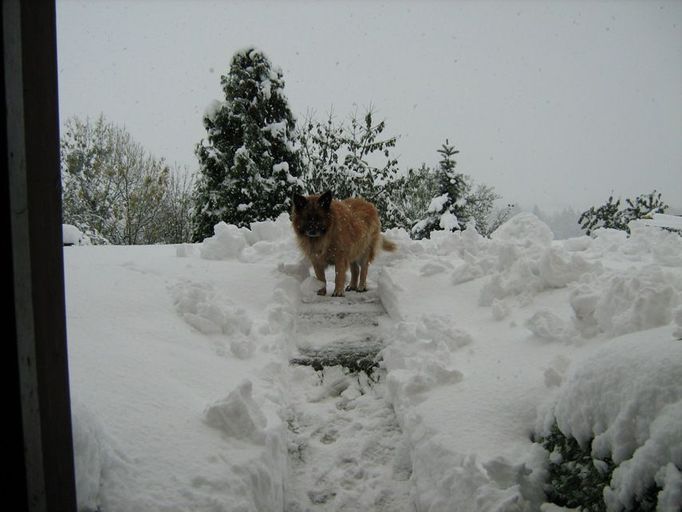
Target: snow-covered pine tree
pixel 248 162
pixel 448 208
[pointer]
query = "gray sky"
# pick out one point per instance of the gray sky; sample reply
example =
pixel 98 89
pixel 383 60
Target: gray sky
pixel 552 103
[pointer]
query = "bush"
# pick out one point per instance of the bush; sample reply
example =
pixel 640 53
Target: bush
pixel 612 215
pixel 576 479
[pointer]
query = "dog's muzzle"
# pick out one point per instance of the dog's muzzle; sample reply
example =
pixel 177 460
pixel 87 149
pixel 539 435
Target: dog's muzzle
pixel 314 231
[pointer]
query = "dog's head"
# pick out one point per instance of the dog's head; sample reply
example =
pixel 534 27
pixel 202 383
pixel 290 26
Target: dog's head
pixel 311 214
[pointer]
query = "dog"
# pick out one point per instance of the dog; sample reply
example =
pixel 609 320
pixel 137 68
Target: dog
pixel 344 233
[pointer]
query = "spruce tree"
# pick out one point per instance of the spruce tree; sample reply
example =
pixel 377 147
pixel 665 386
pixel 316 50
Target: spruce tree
pixel 448 207
pixel 248 162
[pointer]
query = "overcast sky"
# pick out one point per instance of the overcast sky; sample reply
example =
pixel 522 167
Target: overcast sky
pixel 552 103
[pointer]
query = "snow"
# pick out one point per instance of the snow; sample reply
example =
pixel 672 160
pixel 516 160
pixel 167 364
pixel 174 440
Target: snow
pixel 437 203
pixel 71 235
pixel 448 221
pixel 663 220
pixel 212 109
pixel 277 130
pixel 183 398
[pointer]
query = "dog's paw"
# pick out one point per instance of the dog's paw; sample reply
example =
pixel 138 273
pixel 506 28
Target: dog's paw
pixel 322 291
pixel 350 288
pixel 338 293
pixel 361 290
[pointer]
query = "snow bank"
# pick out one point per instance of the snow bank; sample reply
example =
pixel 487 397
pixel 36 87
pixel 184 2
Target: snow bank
pixel 524 230
pixel 227 242
pixel 238 415
pixel 433 338
pixel 620 302
pixel 262 241
pixel 90 449
pixel 71 235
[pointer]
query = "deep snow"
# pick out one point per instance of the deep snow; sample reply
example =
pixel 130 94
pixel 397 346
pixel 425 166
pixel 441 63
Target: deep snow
pixel 184 399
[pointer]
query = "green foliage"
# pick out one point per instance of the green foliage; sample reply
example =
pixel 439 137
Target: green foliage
pixel 112 189
pixel 414 194
pixel 576 479
pixel 480 207
pixel 352 160
pixel 454 201
pixel 611 215
pixel 248 164
pixel 446 208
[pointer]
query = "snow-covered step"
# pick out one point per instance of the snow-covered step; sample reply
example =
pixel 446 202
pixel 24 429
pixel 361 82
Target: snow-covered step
pixel 345 319
pixel 340 330
pixel 339 306
pixel 354 354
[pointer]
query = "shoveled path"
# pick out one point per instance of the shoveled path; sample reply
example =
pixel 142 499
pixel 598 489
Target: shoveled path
pixel 347 452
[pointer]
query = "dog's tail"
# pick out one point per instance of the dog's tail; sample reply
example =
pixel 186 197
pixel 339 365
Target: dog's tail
pixel 387 245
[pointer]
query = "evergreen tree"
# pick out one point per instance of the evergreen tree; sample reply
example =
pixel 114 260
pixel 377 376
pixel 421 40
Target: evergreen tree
pixel 448 207
pixel 611 215
pixel 414 194
pixel 479 206
pixel 248 163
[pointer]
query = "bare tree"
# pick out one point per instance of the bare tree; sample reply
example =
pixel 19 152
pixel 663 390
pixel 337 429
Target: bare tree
pixel 113 190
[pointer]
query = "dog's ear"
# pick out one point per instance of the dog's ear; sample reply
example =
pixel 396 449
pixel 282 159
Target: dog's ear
pixel 325 200
pixel 300 201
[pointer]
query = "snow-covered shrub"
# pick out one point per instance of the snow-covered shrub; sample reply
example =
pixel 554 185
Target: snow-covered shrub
pixel 613 436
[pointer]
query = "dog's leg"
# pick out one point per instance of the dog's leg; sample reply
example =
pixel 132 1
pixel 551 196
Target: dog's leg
pixel 364 266
pixel 319 273
pixel 340 281
pixel 354 272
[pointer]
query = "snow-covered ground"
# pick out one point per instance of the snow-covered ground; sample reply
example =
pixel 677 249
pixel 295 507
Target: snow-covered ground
pixel 184 399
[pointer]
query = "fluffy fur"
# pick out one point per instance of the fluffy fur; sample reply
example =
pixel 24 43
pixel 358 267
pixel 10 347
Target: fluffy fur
pixel 341 233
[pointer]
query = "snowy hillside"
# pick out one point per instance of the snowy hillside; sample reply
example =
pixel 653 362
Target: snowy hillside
pixel 184 398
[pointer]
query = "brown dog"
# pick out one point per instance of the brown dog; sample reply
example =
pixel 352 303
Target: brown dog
pixel 343 233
